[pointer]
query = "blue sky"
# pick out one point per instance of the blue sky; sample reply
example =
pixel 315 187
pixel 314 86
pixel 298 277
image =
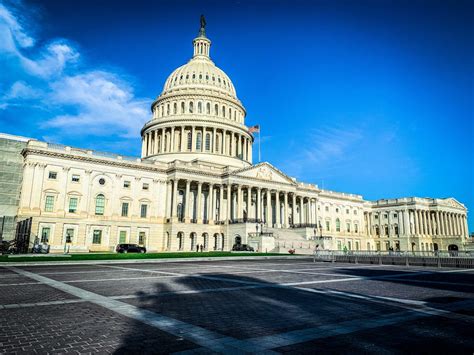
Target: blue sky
pixel 367 97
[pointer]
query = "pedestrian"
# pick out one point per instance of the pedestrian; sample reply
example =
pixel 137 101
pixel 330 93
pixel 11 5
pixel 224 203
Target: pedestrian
pixel 197 247
pixel 345 249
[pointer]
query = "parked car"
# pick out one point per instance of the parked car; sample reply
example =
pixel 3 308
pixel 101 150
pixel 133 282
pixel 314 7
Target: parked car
pixel 130 248
pixel 242 247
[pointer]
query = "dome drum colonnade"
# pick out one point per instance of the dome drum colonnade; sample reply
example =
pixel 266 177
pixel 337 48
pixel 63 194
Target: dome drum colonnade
pixel 200 202
pixel 198 112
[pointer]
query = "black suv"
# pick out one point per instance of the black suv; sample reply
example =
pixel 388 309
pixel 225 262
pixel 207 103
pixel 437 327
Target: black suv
pixel 242 247
pixel 130 248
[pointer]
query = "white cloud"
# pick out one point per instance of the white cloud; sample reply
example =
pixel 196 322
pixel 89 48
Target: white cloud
pixel 105 104
pixel 77 99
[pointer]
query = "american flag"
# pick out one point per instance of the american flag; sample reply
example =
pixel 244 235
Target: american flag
pixel 254 129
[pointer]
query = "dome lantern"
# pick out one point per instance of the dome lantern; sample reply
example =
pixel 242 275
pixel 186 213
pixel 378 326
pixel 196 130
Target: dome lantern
pixel 201 43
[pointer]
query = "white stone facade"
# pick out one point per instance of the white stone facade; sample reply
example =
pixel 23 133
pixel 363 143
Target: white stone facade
pixel 195 184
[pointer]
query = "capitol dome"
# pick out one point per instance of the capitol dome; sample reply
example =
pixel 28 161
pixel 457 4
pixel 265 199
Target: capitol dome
pixel 198 115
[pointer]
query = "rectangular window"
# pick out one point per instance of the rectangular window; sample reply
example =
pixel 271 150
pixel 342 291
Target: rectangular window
pixel 52 175
pixel 327 209
pixel 348 227
pixel 123 237
pixel 75 178
pixel 45 233
pixel 124 209
pixel 347 211
pixel 141 238
pixel 126 184
pixel 73 205
pixel 143 211
pixel 69 235
pixel 146 186
pixel 328 226
pixel 49 204
pixel 97 237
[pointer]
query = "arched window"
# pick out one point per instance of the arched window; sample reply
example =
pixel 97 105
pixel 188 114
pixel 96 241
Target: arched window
pixel 175 108
pixel 348 227
pixel 199 107
pixel 208 108
pixel 194 76
pixel 396 230
pixel 100 205
pixel 356 228
pixel 223 111
pixel 235 115
pixel 208 141
pixel 230 113
pixel 216 110
pixel 168 109
pixel 190 141
pixel 338 225
pixel 161 111
pixel 182 107
pixel 191 107
pixel 198 141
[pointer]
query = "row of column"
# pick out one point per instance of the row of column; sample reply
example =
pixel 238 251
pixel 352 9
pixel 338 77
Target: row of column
pixel 197 139
pixel 201 202
pixel 417 222
pixel 439 223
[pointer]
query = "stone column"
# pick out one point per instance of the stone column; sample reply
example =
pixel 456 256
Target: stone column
pixel 249 201
pixel 293 209
pixel 213 143
pixel 143 145
pixel 224 143
pixel 168 199
pixel 155 149
pixel 172 140
pixel 250 151
pixel 466 228
pixel 199 202
pixel 437 229
pixel 239 202
pixel 415 213
pixel 212 213
pixel 175 198
pixel 257 203
pixel 269 209
pixel 221 203
pixel 278 209
pixel 209 203
pixel 229 200
pixel 231 145
pixel 301 211
pixel 163 133
pixel 193 138
pixel 187 206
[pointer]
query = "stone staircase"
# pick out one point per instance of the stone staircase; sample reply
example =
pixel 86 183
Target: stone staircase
pixel 286 239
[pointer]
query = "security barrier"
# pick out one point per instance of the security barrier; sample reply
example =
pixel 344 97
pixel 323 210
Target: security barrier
pixel 452 259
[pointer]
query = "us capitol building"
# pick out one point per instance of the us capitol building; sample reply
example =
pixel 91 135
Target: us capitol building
pixel 195 184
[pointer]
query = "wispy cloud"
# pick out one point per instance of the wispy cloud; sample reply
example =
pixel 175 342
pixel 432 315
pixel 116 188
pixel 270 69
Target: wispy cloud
pixel 330 143
pixel 76 99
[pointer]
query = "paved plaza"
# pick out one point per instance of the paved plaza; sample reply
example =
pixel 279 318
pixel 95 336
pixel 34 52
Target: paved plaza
pixel 255 306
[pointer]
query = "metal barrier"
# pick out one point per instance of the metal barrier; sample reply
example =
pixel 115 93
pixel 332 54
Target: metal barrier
pixel 453 259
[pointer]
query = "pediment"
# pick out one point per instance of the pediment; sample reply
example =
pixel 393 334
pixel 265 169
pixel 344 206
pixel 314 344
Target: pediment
pixel 452 202
pixel 265 172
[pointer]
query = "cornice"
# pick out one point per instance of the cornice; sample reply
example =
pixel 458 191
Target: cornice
pixel 91 159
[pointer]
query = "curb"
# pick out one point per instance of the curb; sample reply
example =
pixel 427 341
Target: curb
pixel 150 261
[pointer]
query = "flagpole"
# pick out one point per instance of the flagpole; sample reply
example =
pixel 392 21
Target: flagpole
pixel 259 139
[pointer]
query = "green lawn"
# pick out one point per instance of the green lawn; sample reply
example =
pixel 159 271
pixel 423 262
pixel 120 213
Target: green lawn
pixel 114 256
